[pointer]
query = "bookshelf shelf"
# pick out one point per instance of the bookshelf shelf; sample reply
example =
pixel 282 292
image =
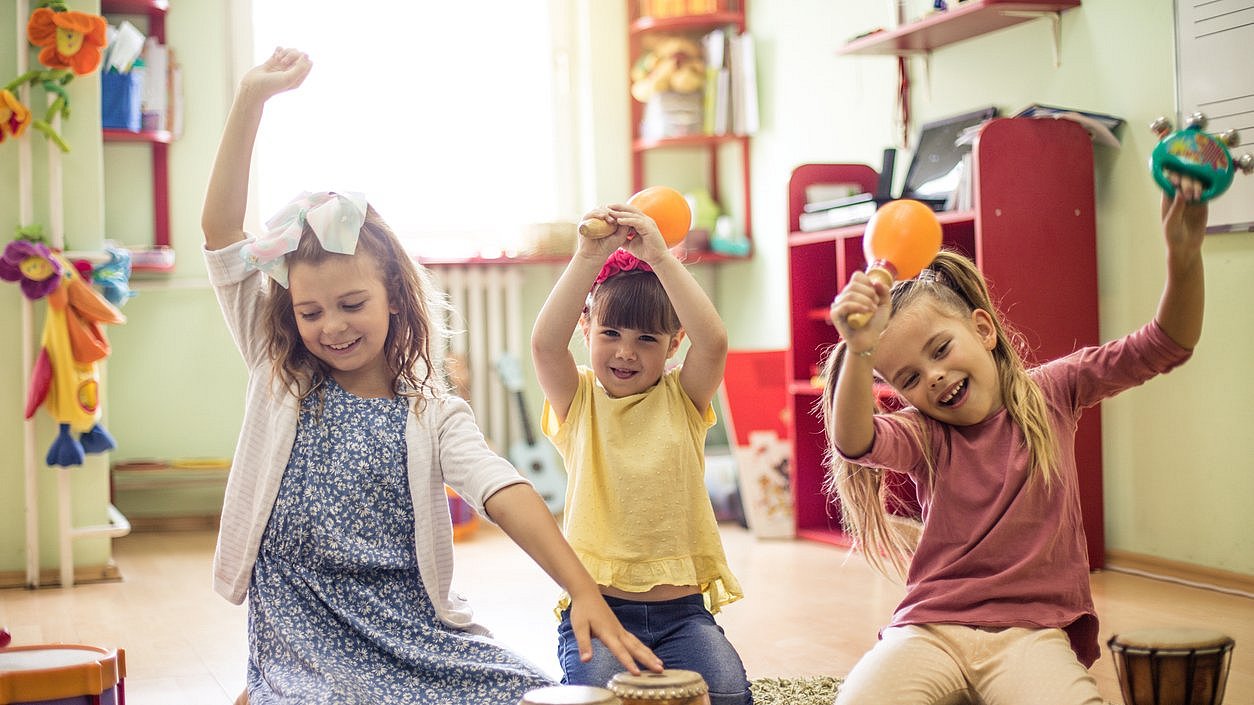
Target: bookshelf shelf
pixel 715 150
pixel 155 11
pixel 961 22
pixel 112 134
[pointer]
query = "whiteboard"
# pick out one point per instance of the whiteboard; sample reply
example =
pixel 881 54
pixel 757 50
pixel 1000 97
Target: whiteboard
pixel 1215 76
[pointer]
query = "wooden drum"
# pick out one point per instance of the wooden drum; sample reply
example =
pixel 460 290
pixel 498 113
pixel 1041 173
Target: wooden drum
pixel 62 674
pixel 670 687
pixel 1172 666
pixel 569 695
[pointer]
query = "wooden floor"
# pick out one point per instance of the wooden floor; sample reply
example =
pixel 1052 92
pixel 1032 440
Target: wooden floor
pixel 810 610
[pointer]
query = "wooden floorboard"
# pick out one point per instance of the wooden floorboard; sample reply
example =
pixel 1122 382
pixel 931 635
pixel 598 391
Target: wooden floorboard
pixel 810 609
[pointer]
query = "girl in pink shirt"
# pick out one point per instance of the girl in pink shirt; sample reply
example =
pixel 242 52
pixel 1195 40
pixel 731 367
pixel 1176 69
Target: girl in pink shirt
pixel 997 598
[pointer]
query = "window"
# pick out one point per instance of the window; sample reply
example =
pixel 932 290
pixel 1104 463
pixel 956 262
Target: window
pixel 446 115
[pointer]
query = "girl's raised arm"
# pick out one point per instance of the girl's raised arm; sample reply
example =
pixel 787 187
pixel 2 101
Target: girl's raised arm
pixel 550 337
pixel 222 219
pixel 1184 294
pixel 853 398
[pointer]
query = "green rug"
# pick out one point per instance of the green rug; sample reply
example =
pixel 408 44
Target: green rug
pixel 820 690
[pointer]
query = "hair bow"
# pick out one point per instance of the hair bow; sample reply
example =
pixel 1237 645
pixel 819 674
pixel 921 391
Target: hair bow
pixel 335 218
pixel 619 262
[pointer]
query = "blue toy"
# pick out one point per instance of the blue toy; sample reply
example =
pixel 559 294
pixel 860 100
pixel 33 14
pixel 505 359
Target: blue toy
pixel 1196 154
pixel 113 277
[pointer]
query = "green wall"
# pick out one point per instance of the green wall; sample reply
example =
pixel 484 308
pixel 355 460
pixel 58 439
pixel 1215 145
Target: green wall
pixel 1176 451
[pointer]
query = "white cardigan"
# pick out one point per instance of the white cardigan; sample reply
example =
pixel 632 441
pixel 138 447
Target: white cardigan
pixel 444 446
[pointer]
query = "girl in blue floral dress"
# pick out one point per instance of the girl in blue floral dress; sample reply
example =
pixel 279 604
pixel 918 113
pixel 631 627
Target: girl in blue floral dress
pixel 335 524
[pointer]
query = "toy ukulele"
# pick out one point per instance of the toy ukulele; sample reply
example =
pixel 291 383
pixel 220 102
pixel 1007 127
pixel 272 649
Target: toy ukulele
pixel 666 206
pixel 1196 154
pixel 901 238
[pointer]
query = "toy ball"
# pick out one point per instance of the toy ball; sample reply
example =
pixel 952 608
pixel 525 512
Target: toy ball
pixel 669 209
pixel 1196 154
pixel 666 206
pixel 5 637
pixel 901 238
pixel 465 520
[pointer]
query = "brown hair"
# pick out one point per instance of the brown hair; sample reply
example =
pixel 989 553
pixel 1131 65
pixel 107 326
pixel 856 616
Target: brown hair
pixel 956 287
pixel 633 299
pixel 407 349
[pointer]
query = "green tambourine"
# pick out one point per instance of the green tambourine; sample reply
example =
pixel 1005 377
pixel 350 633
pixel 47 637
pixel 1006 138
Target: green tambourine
pixel 1196 154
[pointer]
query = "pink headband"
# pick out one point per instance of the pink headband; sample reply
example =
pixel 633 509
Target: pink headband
pixel 619 262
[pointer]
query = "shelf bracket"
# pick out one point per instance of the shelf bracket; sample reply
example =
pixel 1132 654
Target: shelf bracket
pixel 1055 21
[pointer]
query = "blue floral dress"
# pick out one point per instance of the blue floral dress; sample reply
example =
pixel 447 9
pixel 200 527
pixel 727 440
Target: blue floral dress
pixel 337 610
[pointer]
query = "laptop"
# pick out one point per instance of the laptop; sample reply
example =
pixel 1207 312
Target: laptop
pixel 934 169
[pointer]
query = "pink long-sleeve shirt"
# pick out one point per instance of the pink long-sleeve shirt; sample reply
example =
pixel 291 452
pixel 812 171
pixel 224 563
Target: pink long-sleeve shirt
pixel 998 549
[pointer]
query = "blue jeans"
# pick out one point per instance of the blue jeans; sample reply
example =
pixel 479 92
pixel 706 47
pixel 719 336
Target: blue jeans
pixel 681 632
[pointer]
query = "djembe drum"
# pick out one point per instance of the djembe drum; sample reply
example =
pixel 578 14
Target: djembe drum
pixel 569 695
pixel 672 686
pixel 66 674
pixel 1172 666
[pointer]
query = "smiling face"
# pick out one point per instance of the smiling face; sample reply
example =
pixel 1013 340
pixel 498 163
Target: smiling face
pixel 628 361
pixel 941 362
pixel 343 314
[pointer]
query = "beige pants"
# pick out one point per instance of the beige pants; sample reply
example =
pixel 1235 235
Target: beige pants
pixel 947 663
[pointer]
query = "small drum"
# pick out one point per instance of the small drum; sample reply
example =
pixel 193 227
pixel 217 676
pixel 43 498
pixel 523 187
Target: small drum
pixel 670 687
pixel 1172 666
pixel 62 674
pixel 569 695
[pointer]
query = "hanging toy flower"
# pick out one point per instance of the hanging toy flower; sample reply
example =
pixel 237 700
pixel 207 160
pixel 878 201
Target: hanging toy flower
pixel 33 265
pixel 14 117
pixel 70 39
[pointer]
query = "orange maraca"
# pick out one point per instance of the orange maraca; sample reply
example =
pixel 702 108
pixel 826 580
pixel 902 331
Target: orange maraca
pixel 666 206
pixel 901 239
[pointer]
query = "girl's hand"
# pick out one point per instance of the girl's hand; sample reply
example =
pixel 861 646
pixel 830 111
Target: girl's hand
pixel 646 243
pixel 284 70
pixel 866 296
pixel 590 616
pixel 1184 217
pixel 600 248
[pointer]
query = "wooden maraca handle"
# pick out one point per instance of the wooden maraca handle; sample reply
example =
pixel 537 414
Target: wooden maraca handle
pixel 877 272
pixel 595 228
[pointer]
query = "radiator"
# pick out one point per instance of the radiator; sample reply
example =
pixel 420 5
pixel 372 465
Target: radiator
pixel 485 322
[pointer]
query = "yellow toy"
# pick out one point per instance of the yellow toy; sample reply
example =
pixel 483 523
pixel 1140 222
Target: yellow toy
pixel 673 64
pixel 65 379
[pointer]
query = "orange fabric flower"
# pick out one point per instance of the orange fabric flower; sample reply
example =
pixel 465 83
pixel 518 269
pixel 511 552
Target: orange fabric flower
pixel 14 117
pixel 67 40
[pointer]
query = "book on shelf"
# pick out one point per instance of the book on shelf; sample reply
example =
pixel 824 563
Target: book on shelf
pixel 855 209
pixel 1101 127
pixel 714 118
pixel 744 84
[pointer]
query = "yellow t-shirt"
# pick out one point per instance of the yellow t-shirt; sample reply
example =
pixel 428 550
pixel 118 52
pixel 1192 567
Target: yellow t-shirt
pixel 637 510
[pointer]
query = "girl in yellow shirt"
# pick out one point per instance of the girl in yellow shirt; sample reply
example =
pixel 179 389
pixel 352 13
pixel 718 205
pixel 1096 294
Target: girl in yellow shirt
pixel 632 436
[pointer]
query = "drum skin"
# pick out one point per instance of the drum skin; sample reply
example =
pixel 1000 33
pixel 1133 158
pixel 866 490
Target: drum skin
pixel 69 673
pixel 672 686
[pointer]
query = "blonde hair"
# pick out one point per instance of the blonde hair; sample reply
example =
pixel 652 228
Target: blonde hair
pixel 407 349
pixel 956 287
